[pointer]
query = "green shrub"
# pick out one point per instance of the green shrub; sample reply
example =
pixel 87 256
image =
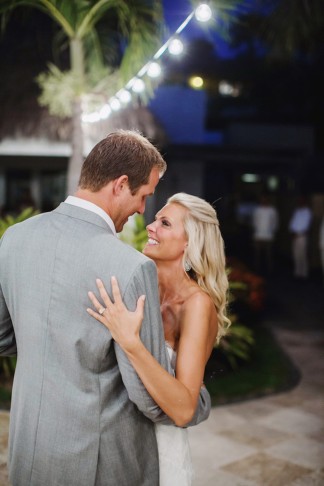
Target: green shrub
pixel 10 220
pixel 134 232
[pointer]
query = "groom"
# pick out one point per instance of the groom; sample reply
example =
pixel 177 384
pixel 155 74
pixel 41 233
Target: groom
pixel 80 416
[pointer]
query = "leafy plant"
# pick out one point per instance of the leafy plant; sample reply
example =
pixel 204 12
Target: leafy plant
pixel 134 233
pixel 10 220
pixel 246 286
pixel 237 344
pixel 239 341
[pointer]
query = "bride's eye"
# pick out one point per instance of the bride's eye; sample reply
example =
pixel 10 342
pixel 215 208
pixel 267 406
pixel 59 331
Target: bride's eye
pixel 165 222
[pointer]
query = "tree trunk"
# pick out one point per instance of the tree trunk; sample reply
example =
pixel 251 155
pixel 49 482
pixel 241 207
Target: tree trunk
pixel 76 159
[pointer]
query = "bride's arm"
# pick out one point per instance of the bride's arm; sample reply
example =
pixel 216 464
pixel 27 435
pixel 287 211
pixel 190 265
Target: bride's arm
pixel 177 397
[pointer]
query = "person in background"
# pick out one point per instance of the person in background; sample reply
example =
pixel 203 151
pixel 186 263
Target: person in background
pixel 299 227
pixel 186 244
pixel 321 244
pixel 265 224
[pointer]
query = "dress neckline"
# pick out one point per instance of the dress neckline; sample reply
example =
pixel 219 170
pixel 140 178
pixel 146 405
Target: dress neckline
pixel 169 346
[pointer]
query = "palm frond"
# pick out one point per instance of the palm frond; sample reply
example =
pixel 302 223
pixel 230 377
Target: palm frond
pixel 98 10
pixel 143 30
pixel 59 89
pixel 53 8
pixel 304 32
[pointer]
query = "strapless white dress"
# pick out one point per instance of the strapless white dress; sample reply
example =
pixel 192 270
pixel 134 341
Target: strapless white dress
pixel 174 451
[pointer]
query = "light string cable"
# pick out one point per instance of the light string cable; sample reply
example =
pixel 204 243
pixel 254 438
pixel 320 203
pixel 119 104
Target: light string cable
pixel 136 84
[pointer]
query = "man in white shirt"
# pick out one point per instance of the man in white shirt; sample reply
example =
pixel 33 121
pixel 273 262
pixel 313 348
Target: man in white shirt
pixel 299 226
pixel 265 224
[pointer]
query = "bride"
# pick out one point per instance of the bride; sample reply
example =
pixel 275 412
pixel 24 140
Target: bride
pixel 186 244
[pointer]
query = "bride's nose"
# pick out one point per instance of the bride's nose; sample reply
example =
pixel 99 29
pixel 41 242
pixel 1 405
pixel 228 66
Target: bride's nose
pixel 150 227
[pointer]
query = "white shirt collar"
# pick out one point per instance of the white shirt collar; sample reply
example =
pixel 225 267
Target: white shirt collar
pixel 82 203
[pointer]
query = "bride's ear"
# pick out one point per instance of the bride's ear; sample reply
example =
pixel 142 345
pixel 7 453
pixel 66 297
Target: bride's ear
pixel 120 184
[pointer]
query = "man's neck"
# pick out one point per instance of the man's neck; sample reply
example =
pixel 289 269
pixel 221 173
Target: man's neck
pixel 96 198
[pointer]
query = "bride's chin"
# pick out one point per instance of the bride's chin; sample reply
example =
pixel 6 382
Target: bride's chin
pixel 146 251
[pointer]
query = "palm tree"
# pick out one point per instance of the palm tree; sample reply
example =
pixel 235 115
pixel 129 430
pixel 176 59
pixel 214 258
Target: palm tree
pixel 289 27
pixel 94 31
pixel 87 25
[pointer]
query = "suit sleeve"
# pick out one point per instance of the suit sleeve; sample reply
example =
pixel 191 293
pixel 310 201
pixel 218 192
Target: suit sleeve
pixel 203 408
pixel 144 281
pixel 7 335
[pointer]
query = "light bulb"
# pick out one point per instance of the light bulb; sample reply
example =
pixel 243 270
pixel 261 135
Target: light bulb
pixel 175 47
pixel 114 103
pixel 154 70
pixel 203 13
pixel 91 117
pixel 105 111
pixel 138 85
pixel 124 95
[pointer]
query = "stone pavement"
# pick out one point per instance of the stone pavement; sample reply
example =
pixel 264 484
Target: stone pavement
pixel 273 441
pixel 277 440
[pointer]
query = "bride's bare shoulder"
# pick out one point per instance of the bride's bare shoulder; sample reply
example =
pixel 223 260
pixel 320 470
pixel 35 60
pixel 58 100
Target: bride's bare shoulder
pixel 198 299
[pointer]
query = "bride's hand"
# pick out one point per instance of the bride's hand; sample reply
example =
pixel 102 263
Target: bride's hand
pixel 123 324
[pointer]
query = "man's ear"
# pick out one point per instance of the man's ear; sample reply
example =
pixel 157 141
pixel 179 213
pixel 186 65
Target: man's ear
pixel 119 184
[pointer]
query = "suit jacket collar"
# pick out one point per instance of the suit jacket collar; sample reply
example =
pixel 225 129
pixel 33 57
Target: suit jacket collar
pixel 82 214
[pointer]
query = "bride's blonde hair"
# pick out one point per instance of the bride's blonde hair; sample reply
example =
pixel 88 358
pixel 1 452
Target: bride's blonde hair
pixel 205 253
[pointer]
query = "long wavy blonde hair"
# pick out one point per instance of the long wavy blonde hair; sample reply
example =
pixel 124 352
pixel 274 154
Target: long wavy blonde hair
pixel 205 253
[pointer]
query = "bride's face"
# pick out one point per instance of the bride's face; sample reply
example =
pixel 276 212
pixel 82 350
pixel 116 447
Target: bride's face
pixel 166 235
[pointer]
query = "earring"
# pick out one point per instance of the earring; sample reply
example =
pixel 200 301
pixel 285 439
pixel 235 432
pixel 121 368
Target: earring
pixel 187 266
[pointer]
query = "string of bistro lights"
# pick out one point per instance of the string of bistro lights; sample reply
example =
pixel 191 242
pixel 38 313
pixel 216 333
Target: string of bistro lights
pixel 152 68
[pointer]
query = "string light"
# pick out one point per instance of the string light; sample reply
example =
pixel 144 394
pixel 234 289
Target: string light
pixel 174 45
pixel 124 95
pixel 138 85
pixel 154 70
pixel 105 111
pixel 203 13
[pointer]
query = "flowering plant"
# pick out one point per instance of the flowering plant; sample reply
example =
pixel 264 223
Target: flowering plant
pixel 246 285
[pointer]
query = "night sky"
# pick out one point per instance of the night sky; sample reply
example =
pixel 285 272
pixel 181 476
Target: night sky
pixel 176 11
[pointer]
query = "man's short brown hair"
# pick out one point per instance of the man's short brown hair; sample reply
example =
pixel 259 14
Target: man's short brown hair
pixel 124 152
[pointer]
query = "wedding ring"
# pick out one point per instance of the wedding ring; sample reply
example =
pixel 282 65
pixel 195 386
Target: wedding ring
pixel 101 310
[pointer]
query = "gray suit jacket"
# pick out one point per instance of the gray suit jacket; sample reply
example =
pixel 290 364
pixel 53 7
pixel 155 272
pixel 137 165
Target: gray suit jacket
pixel 80 416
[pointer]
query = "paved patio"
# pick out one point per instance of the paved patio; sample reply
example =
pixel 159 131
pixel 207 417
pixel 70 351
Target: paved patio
pixel 272 441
